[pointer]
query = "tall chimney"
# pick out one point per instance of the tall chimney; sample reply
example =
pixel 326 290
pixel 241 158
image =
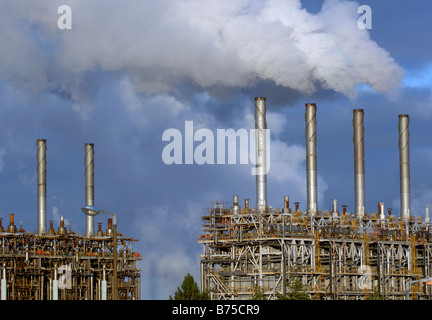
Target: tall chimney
pixel 41 180
pixel 89 186
pixel 311 158
pixel 261 152
pixel 404 164
pixel 359 169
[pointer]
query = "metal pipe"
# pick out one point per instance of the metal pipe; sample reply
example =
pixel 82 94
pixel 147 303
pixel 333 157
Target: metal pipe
pixel 41 180
pixel 236 207
pixel 381 210
pixel 3 284
pixel 89 186
pixel 335 208
pixel 404 165
pixel 359 168
pixel 311 158
pixel 286 208
pixel 261 152
pixel 12 228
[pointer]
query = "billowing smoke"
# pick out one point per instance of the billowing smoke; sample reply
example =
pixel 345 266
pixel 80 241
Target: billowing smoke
pixel 161 44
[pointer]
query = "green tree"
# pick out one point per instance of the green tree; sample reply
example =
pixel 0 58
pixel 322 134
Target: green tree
pixel 296 291
pixel 376 295
pixel 189 290
pixel 258 295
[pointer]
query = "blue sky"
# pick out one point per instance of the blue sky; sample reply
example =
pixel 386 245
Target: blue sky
pixel 126 72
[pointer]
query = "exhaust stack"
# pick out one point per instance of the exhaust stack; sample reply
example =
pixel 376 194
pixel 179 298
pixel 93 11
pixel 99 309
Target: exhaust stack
pixel 404 164
pixel 261 152
pixel 359 169
pixel 311 158
pixel 41 180
pixel 89 186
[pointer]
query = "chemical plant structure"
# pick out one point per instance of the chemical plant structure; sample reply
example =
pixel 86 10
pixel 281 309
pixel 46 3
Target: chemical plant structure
pixel 335 255
pixel 60 264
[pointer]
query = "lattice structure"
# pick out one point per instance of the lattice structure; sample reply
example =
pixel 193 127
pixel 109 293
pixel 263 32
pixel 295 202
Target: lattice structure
pixel 334 255
pixel 63 265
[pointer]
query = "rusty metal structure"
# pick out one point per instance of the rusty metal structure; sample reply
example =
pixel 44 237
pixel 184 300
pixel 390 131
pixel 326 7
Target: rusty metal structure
pixel 62 265
pixel 334 254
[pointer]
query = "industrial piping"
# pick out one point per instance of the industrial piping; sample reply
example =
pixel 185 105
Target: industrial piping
pixel 89 186
pixel 404 165
pixel 41 180
pixel 311 158
pixel 261 152
pixel 359 169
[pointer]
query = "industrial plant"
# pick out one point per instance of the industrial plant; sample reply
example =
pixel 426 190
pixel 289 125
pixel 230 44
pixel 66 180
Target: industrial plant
pixel 60 264
pixel 335 254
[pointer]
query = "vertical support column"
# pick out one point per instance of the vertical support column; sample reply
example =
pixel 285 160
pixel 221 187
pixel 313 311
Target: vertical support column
pixel 261 153
pixel 404 164
pixel 55 286
pixel 359 169
pixel 311 158
pixel 41 180
pixel 3 294
pixel 103 285
pixel 89 186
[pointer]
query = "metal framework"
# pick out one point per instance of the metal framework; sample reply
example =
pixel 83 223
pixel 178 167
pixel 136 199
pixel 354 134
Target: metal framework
pixel 62 265
pixel 334 255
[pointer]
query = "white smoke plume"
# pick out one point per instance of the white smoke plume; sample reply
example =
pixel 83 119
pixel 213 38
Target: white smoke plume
pixel 160 44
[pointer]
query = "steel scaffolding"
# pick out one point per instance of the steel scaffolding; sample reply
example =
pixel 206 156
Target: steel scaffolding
pixel 334 255
pixel 62 265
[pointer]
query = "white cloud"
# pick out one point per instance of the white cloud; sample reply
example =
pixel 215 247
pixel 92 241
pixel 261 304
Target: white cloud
pixel 160 44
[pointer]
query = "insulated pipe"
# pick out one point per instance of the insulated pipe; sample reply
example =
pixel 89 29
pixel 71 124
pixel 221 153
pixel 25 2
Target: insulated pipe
pixel 89 186
pixel 261 152
pixel 41 180
pixel 236 207
pixel 286 208
pixel 335 207
pixel 359 168
pixel 3 284
pixel 311 158
pixel 404 164
pixel 381 210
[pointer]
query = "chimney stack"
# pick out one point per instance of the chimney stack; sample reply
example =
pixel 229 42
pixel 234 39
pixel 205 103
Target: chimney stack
pixel 41 180
pixel 359 169
pixel 89 186
pixel 404 164
pixel 311 158
pixel 261 153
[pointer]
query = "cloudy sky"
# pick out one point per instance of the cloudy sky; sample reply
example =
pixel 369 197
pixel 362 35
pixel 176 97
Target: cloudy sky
pixel 129 70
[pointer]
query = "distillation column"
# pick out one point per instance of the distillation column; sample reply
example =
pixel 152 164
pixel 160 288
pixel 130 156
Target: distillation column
pixel 41 181
pixel 359 168
pixel 311 158
pixel 404 165
pixel 89 186
pixel 261 153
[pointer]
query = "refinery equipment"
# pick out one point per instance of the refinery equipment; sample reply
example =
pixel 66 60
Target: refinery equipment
pixel 335 254
pixel 60 264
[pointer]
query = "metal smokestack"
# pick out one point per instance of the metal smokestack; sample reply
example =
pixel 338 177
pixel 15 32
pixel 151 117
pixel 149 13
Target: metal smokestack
pixel 359 169
pixel 89 185
pixel 41 180
pixel 261 151
pixel 311 158
pixel 404 164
